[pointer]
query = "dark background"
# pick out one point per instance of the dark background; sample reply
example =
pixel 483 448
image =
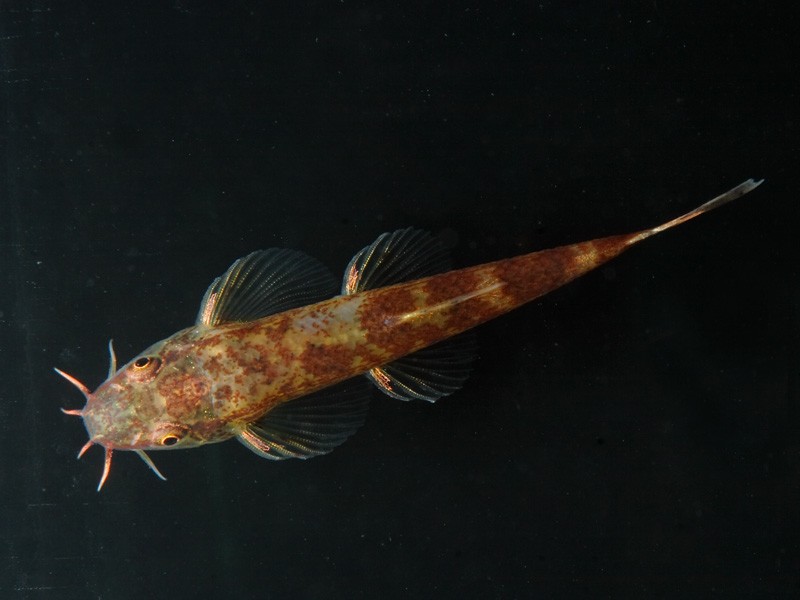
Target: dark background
pixel 635 434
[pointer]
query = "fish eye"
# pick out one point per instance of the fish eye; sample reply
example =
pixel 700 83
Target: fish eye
pixel 145 368
pixel 170 439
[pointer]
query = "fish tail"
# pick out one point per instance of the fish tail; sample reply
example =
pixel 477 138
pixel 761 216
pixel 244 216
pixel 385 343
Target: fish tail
pixel 532 275
pixel 732 194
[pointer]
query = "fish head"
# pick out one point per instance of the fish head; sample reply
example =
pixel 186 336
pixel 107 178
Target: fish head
pixel 155 402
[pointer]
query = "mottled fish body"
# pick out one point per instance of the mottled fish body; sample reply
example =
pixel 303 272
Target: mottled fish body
pixel 274 355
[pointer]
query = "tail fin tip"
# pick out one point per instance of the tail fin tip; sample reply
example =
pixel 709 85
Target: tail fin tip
pixel 732 194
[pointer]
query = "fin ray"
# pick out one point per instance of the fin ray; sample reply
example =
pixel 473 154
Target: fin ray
pixel 430 373
pixel 265 283
pixel 402 255
pixel 311 425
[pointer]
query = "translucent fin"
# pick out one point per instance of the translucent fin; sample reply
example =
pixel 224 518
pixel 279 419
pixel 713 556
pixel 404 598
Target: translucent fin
pixel 405 255
pixel 430 373
pixel 402 255
pixel 265 283
pixel 311 425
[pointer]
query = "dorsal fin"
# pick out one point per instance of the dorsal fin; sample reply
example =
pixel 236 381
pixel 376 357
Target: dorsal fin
pixel 265 283
pixel 395 257
pixel 311 425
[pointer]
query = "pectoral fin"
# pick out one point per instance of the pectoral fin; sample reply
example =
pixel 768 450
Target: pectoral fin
pixel 311 425
pixel 430 373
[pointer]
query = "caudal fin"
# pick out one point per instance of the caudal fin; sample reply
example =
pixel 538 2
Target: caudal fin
pixel 732 194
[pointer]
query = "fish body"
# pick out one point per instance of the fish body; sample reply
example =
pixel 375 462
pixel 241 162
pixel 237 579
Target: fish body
pixel 272 357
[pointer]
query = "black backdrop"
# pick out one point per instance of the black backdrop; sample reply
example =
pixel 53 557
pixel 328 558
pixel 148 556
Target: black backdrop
pixel 632 435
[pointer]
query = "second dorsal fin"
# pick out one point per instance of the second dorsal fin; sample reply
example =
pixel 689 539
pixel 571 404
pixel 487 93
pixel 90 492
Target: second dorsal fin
pixel 396 257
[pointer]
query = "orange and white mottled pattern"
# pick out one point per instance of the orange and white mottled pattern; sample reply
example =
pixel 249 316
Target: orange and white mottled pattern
pixel 214 381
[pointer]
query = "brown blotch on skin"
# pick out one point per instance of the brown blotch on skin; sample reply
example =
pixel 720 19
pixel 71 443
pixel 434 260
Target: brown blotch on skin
pixel 223 393
pixel 406 317
pixel 532 275
pixel 183 394
pixel 383 314
pixel 376 316
pixel 327 361
pixel 447 286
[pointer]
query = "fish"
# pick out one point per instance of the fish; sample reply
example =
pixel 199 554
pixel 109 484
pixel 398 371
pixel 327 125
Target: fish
pixel 283 358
